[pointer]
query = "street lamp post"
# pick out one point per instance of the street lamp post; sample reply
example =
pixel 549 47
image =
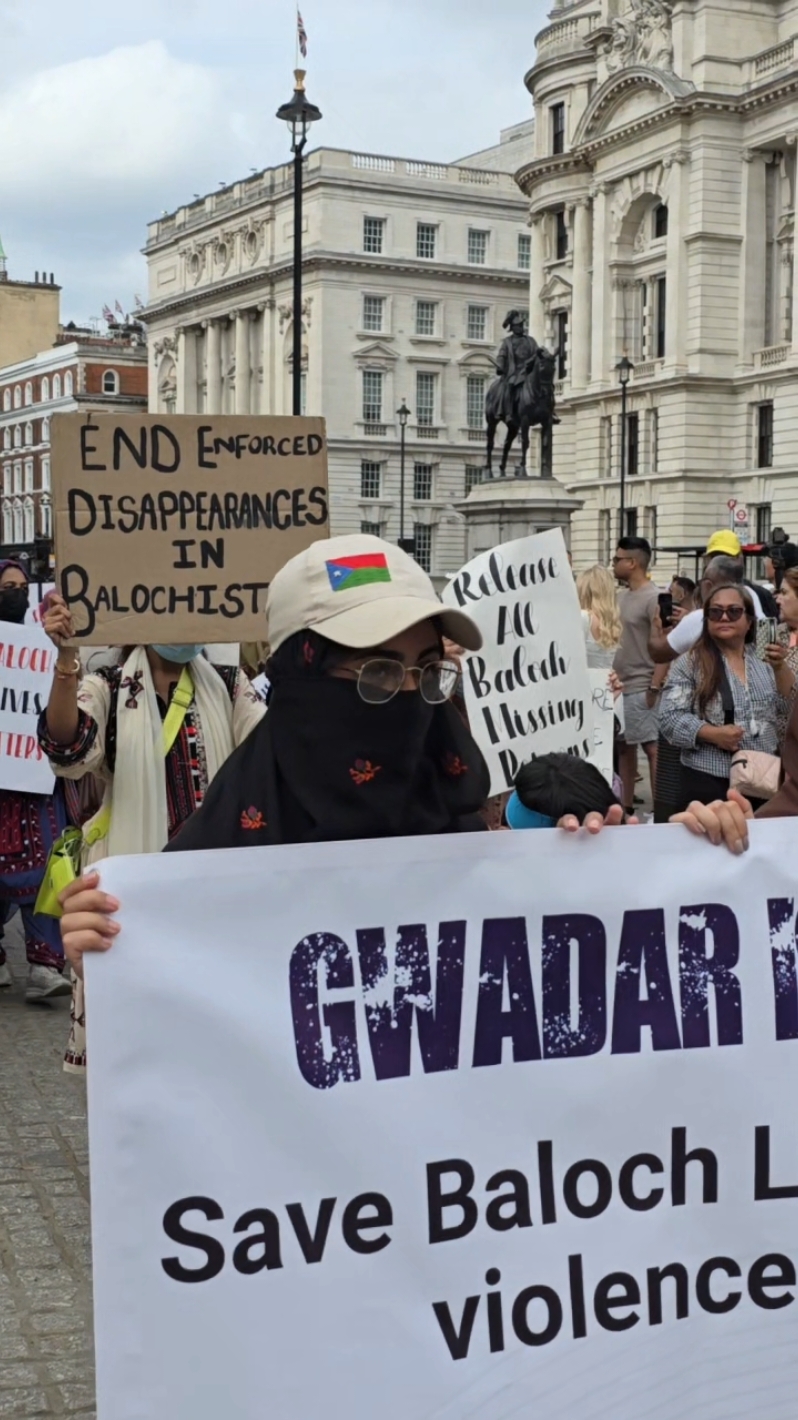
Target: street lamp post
pixel 298 114
pixel 623 370
pixel 407 544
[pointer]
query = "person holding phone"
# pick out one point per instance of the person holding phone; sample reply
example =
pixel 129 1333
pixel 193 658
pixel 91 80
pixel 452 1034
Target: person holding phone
pixel 721 697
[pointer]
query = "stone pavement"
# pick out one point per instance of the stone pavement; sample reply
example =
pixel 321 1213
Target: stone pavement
pixel 46 1365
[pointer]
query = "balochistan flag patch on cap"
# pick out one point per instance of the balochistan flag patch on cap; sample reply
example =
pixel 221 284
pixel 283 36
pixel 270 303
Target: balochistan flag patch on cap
pixel 347 572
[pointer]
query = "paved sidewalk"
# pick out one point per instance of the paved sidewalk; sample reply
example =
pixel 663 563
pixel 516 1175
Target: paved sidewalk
pixel 46 1365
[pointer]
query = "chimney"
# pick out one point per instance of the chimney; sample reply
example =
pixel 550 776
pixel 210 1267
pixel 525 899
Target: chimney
pixel 36 278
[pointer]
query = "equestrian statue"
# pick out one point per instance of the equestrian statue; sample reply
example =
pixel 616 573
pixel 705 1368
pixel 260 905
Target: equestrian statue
pixel 522 395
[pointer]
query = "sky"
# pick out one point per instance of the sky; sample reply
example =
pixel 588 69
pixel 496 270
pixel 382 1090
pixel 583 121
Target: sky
pixel 112 112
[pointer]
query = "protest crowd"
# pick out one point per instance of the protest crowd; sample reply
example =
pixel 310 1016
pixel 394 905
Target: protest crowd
pixel 358 728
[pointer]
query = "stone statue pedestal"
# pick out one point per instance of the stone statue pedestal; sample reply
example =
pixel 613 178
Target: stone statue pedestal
pixel 505 508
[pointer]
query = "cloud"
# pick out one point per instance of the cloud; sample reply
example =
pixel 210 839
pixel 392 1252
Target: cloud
pixel 126 119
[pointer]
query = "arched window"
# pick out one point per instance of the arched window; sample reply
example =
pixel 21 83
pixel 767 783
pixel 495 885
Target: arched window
pixel 46 517
pixel 68 382
pixel 28 435
pixel 56 386
pixel 46 472
pixel 6 400
pixel 17 436
pixel 28 525
pixel 7 438
pixel 29 475
pixel 17 477
pixel 19 523
pixel 8 523
pixel 28 392
pixel 45 389
pixel 7 473
pixel 17 397
pixel 110 382
pixel 45 431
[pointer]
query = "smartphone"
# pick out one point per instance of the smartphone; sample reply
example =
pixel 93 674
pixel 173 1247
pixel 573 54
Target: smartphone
pixel 665 600
pixel 767 632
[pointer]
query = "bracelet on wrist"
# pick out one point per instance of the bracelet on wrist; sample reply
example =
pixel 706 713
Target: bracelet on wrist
pixel 67 672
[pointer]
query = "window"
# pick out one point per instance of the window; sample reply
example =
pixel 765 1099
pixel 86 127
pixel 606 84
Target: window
pixel 28 435
pixel 524 251
pixel 17 397
pixel 373 235
pixel 661 297
pixel 605 536
pixel 45 472
pixel 426 312
pixel 68 382
pixel 560 236
pixel 630 520
pixel 19 525
pixel 425 399
pixel 370 479
pixel 6 400
pixel 653 433
pixel 426 240
pixel 45 431
pixel 371 529
pixel 27 520
pixel 7 479
pixel 764 435
pixel 28 392
pixel 422 482
pixel 372 396
pixel 423 540
pixel 8 525
pixel 763 523
pixel 660 220
pixel 606 446
pixel 475 402
pixel 18 436
pixel 477 247
pixel 17 477
pixel 29 475
pixel 473 477
pixel 561 323
pixel 557 112
pixel 632 446
pixel 45 388
pixel 7 438
pixel 56 386
pixel 477 323
pixel 110 382
pixel 46 517
pixel 373 307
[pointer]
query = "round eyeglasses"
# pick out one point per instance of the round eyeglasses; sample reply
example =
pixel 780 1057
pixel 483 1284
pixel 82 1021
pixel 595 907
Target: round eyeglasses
pixel 378 681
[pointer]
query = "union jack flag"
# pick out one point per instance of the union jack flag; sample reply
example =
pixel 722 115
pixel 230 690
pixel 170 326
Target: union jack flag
pixel 301 34
pixel 118 308
pixel 107 313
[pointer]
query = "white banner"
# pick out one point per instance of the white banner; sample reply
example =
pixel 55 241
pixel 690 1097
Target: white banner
pixel 483 1126
pixel 603 722
pixel 27 658
pixel 38 592
pixel 527 691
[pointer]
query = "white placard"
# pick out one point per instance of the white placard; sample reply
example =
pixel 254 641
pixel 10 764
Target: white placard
pixel 527 691
pixel 27 658
pixel 603 722
pixel 38 592
pixel 570 1189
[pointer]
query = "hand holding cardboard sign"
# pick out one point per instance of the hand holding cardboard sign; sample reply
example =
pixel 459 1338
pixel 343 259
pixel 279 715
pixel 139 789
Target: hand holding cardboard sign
pixel 57 620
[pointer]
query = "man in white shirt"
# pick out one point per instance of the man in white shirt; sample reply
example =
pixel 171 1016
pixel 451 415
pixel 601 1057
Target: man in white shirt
pixel 720 571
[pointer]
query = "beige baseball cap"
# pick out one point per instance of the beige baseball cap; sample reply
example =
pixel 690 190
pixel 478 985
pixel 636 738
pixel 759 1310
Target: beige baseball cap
pixel 358 591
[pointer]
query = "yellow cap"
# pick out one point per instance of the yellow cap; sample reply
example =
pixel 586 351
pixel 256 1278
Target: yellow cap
pixel 725 541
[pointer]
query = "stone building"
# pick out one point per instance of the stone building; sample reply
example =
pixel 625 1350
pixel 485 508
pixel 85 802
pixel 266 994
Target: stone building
pixel 662 201
pixel 28 314
pixel 409 270
pixel 82 370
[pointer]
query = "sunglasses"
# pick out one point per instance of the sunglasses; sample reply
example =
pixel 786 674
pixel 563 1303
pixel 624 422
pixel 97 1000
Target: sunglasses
pixel 378 681
pixel 726 613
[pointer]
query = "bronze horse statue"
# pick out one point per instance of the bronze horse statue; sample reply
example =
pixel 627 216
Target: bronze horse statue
pixel 533 403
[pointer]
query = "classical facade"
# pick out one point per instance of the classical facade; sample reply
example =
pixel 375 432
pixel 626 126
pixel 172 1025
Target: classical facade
pixel 662 201
pixel 82 370
pixel 409 270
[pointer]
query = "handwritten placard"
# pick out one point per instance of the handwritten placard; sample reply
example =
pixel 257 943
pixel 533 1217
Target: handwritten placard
pixel 527 691
pixel 603 722
pixel 26 675
pixel 169 528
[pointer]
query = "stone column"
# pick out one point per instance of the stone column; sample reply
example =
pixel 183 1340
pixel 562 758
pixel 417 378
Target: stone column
pixel 187 401
pixel 213 364
pixel 180 370
pixel 600 352
pixel 242 356
pixel 579 363
pixel 537 317
pixel 676 265
pixel 751 308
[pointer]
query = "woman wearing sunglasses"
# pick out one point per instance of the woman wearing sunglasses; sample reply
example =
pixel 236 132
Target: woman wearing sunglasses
pixel 721 697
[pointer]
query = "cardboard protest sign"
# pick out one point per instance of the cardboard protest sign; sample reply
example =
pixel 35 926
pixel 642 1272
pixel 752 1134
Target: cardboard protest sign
pixel 527 691
pixel 603 702
pixel 503 1125
pixel 27 658
pixel 169 528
